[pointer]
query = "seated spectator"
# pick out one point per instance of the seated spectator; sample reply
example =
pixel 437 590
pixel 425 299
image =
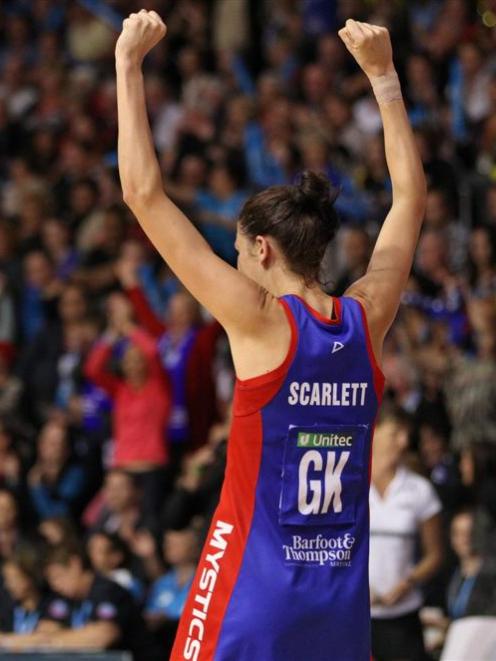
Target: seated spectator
pixel 56 484
pixel 57 243
pixel 198 486
pixel 482 262
pixel 12 537
pixel 123 513
pixel 10 385
pixel 355 245
pixel 109 556
pixel 96 266
pixel 441 466
pixel 402 506
pixel 472 588
pixel 10 463
pixel 39 364
pixel 470 380
pixel 57 530
pixel 168 593
pixel 478 473
pixel 39 293
pixel 141 401
pixel 217 207
pixel 22 607
pixel 90 612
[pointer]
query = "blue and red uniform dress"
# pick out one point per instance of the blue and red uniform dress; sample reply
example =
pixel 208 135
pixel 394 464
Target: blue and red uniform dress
pixel 284 572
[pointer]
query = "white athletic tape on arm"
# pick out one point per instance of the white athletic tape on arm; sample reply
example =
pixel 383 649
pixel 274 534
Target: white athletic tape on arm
pixel 386 88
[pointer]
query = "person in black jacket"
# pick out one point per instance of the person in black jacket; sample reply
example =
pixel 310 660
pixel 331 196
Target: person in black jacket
pixel 88 611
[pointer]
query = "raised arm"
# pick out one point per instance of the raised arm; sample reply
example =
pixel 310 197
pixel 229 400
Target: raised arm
pixel 381 287
pixel 218 286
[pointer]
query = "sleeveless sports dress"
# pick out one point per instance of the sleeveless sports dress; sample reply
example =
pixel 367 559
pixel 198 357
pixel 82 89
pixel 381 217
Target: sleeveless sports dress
pixel 284 571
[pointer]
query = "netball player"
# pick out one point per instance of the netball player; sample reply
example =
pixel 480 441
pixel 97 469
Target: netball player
pixel 283 574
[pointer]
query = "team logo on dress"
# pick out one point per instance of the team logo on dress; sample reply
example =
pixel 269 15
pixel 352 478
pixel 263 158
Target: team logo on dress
pixel 337 346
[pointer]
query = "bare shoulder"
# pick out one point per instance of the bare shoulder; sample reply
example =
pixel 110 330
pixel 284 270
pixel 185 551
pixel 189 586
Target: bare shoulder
pixel 265 345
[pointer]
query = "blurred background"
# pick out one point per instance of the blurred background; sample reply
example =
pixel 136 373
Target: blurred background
pixel 115 387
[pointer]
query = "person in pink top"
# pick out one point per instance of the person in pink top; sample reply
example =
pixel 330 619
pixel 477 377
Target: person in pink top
pixel 141 398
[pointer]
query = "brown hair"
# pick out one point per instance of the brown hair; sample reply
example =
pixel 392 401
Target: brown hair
pixel 301 218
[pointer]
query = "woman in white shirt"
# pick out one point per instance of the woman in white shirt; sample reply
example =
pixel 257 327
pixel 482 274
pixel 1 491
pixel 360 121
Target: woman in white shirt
pixel 403 506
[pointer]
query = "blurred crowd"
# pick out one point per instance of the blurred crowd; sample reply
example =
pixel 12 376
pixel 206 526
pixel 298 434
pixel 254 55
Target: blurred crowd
pixel 115 386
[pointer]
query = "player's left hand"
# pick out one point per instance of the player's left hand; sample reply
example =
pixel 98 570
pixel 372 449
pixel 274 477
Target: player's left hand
pixel 140 33
pixel 370 45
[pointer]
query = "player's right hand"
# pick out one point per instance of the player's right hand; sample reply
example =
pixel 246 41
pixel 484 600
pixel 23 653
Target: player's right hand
pixel 140 33
pixel 370 45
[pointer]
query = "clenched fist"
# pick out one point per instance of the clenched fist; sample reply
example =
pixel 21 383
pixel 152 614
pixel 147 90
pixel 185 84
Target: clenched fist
pixel 370 45
pixel 140 33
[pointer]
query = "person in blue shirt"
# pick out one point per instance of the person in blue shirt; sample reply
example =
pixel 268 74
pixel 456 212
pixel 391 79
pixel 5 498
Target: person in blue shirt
pixel 56 485
pixel 218 208
pixel 168 593
pixel 21 600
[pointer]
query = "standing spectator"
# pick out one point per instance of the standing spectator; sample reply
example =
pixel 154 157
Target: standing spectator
pixel 141 404
pixel 187 350
pixel 402 506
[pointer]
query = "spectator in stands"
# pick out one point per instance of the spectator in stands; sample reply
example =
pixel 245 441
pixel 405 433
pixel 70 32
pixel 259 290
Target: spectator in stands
pixel 57 531
pixel 402 506
pixel 39 363
pixel 186 347
pixel 198 486
pixel 141 401
pixel 481 275
pixel 478 472
pixel 168 594
pixel 10 462
pixel 355 246
pixel 440 466
pixel 470 383
pixel 56 484
pixel 109 556
pixel 10 385
pixel 12 537
pixel 89 612
pixel 23 604
pixel 39 295
pixel 57 243
pixel 472 588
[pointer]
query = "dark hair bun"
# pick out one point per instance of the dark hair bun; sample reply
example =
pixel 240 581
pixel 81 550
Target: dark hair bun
pixel 301 218
pixel 314 188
